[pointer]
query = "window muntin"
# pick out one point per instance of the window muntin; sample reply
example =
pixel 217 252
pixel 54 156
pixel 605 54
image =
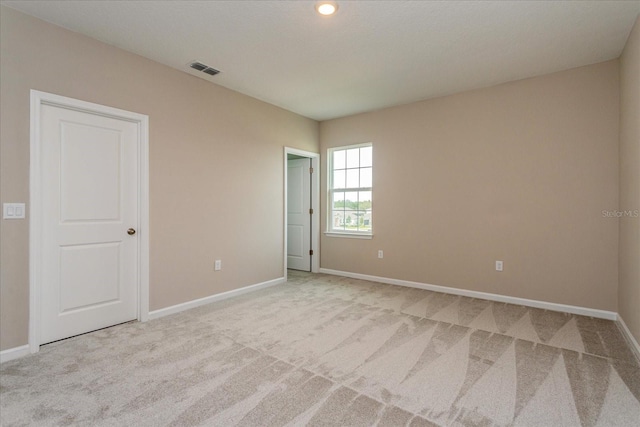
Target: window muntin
pixel 350 189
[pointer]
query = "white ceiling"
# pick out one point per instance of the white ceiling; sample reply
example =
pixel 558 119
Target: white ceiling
pixel 370 55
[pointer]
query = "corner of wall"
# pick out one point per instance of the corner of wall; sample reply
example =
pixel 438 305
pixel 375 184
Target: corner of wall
pixel 629 187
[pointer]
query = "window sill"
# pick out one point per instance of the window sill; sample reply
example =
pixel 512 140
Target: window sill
pixel 348 235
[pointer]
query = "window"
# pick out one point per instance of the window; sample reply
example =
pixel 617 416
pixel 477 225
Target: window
pixel 350 188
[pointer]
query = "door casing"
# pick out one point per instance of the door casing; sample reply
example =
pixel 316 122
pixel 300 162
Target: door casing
pixel 315 204
pixel 38 99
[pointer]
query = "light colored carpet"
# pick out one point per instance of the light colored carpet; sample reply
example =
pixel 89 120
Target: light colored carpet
pixel 329 351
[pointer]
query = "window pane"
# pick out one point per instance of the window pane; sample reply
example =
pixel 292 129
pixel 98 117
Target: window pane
pixel 358 220
pixel 366 178
pixel 338 179
pixel 338 200
pixel 364 200
pixel 350 220
pixel 366 221
pixel 353 158
pixel 352 178
pixel 339 159
pixel 351 200
pixel 366 156
pixel 338 220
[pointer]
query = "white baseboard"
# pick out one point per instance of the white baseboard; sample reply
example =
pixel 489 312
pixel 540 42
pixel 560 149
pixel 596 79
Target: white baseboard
pixel 633 343
pixel 213 298
pixel 602 314
pixel 14 353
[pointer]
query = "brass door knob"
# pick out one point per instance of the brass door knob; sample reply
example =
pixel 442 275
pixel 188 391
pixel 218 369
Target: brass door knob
pixel 131 231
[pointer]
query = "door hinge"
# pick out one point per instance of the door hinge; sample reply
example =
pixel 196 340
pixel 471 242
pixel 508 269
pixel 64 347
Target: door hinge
pixel 310 251
pixel 310 170
pixel 310 211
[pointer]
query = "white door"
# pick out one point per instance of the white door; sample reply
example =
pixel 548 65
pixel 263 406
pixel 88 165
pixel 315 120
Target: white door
pixel 298 214
pixel 89 201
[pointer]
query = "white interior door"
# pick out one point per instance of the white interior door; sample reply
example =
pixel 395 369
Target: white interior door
pixel 89 201
pixel 298 215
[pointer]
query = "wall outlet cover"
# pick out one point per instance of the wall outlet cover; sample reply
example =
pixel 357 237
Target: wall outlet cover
pixel 13 210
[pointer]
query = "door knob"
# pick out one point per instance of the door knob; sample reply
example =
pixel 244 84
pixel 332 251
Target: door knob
pixel 131 231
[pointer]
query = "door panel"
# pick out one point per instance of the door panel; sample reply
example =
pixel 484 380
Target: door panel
pixel 87 153
pixel 97 282
pixel 298 217
pixel 295 241
pixel 90 193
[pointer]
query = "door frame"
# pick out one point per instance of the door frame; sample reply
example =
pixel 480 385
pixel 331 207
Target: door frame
pixel 36 220
pixel 315 205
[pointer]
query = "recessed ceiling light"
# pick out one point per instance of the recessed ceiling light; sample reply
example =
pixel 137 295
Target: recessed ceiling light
pixel 326 8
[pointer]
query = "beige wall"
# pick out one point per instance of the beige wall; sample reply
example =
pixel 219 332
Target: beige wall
pixel 519 172
pixel 629 295
pixel 216 164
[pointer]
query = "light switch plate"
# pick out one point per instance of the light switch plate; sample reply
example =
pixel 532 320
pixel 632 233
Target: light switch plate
pixel 13 210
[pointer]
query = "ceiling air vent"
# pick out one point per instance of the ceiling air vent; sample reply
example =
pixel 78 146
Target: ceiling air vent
pixel 196 65
pixel 211 71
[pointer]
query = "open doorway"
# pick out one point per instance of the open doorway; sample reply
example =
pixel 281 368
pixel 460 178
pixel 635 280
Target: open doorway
pixel 301 214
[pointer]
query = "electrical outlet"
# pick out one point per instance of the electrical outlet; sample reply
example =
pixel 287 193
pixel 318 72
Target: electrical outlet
pixel 380 254
pixel 499 265
pixel 218 265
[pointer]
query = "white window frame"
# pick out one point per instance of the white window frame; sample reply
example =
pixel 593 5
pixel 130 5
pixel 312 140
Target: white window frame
pixel 330 190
